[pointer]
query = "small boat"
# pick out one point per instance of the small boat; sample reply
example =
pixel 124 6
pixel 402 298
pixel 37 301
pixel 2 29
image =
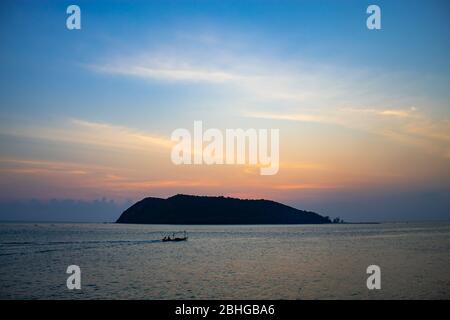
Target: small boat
pixel 174 238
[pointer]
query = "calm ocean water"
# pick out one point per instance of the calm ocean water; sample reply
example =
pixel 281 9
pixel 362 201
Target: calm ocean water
pixel 225 262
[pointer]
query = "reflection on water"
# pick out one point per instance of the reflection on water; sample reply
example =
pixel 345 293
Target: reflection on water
pixel 225 262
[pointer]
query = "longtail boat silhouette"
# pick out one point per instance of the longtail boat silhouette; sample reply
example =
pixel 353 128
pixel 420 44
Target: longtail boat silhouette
pixel 174 238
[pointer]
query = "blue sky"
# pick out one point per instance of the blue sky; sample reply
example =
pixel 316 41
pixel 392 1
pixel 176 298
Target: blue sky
pixel 339 93
pixel 414 41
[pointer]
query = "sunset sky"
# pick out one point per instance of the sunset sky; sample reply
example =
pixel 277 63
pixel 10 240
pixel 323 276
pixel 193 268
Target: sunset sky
pixel 364 115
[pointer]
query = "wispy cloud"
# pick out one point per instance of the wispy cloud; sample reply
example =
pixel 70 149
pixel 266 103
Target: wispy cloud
pixel 250 77
pixel 301 117
pixel 404 125
pixel 401 113
pixel 263 86
pixel 300 90
pixel 62 178
pixel 302 186
pixel 93 133
pixel 155 72
pixel 37 166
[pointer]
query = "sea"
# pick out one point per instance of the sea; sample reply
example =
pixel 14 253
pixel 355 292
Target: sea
pixel 124 261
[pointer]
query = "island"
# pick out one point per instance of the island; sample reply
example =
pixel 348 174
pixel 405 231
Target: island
pixel 188 209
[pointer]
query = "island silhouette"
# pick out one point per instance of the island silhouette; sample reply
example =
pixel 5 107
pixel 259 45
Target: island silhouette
pixel 189 209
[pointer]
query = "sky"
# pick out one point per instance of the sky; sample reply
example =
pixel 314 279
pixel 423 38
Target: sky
pixel 86 115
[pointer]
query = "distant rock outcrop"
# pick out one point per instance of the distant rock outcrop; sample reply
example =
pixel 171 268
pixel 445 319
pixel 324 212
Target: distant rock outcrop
pixel 186 209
